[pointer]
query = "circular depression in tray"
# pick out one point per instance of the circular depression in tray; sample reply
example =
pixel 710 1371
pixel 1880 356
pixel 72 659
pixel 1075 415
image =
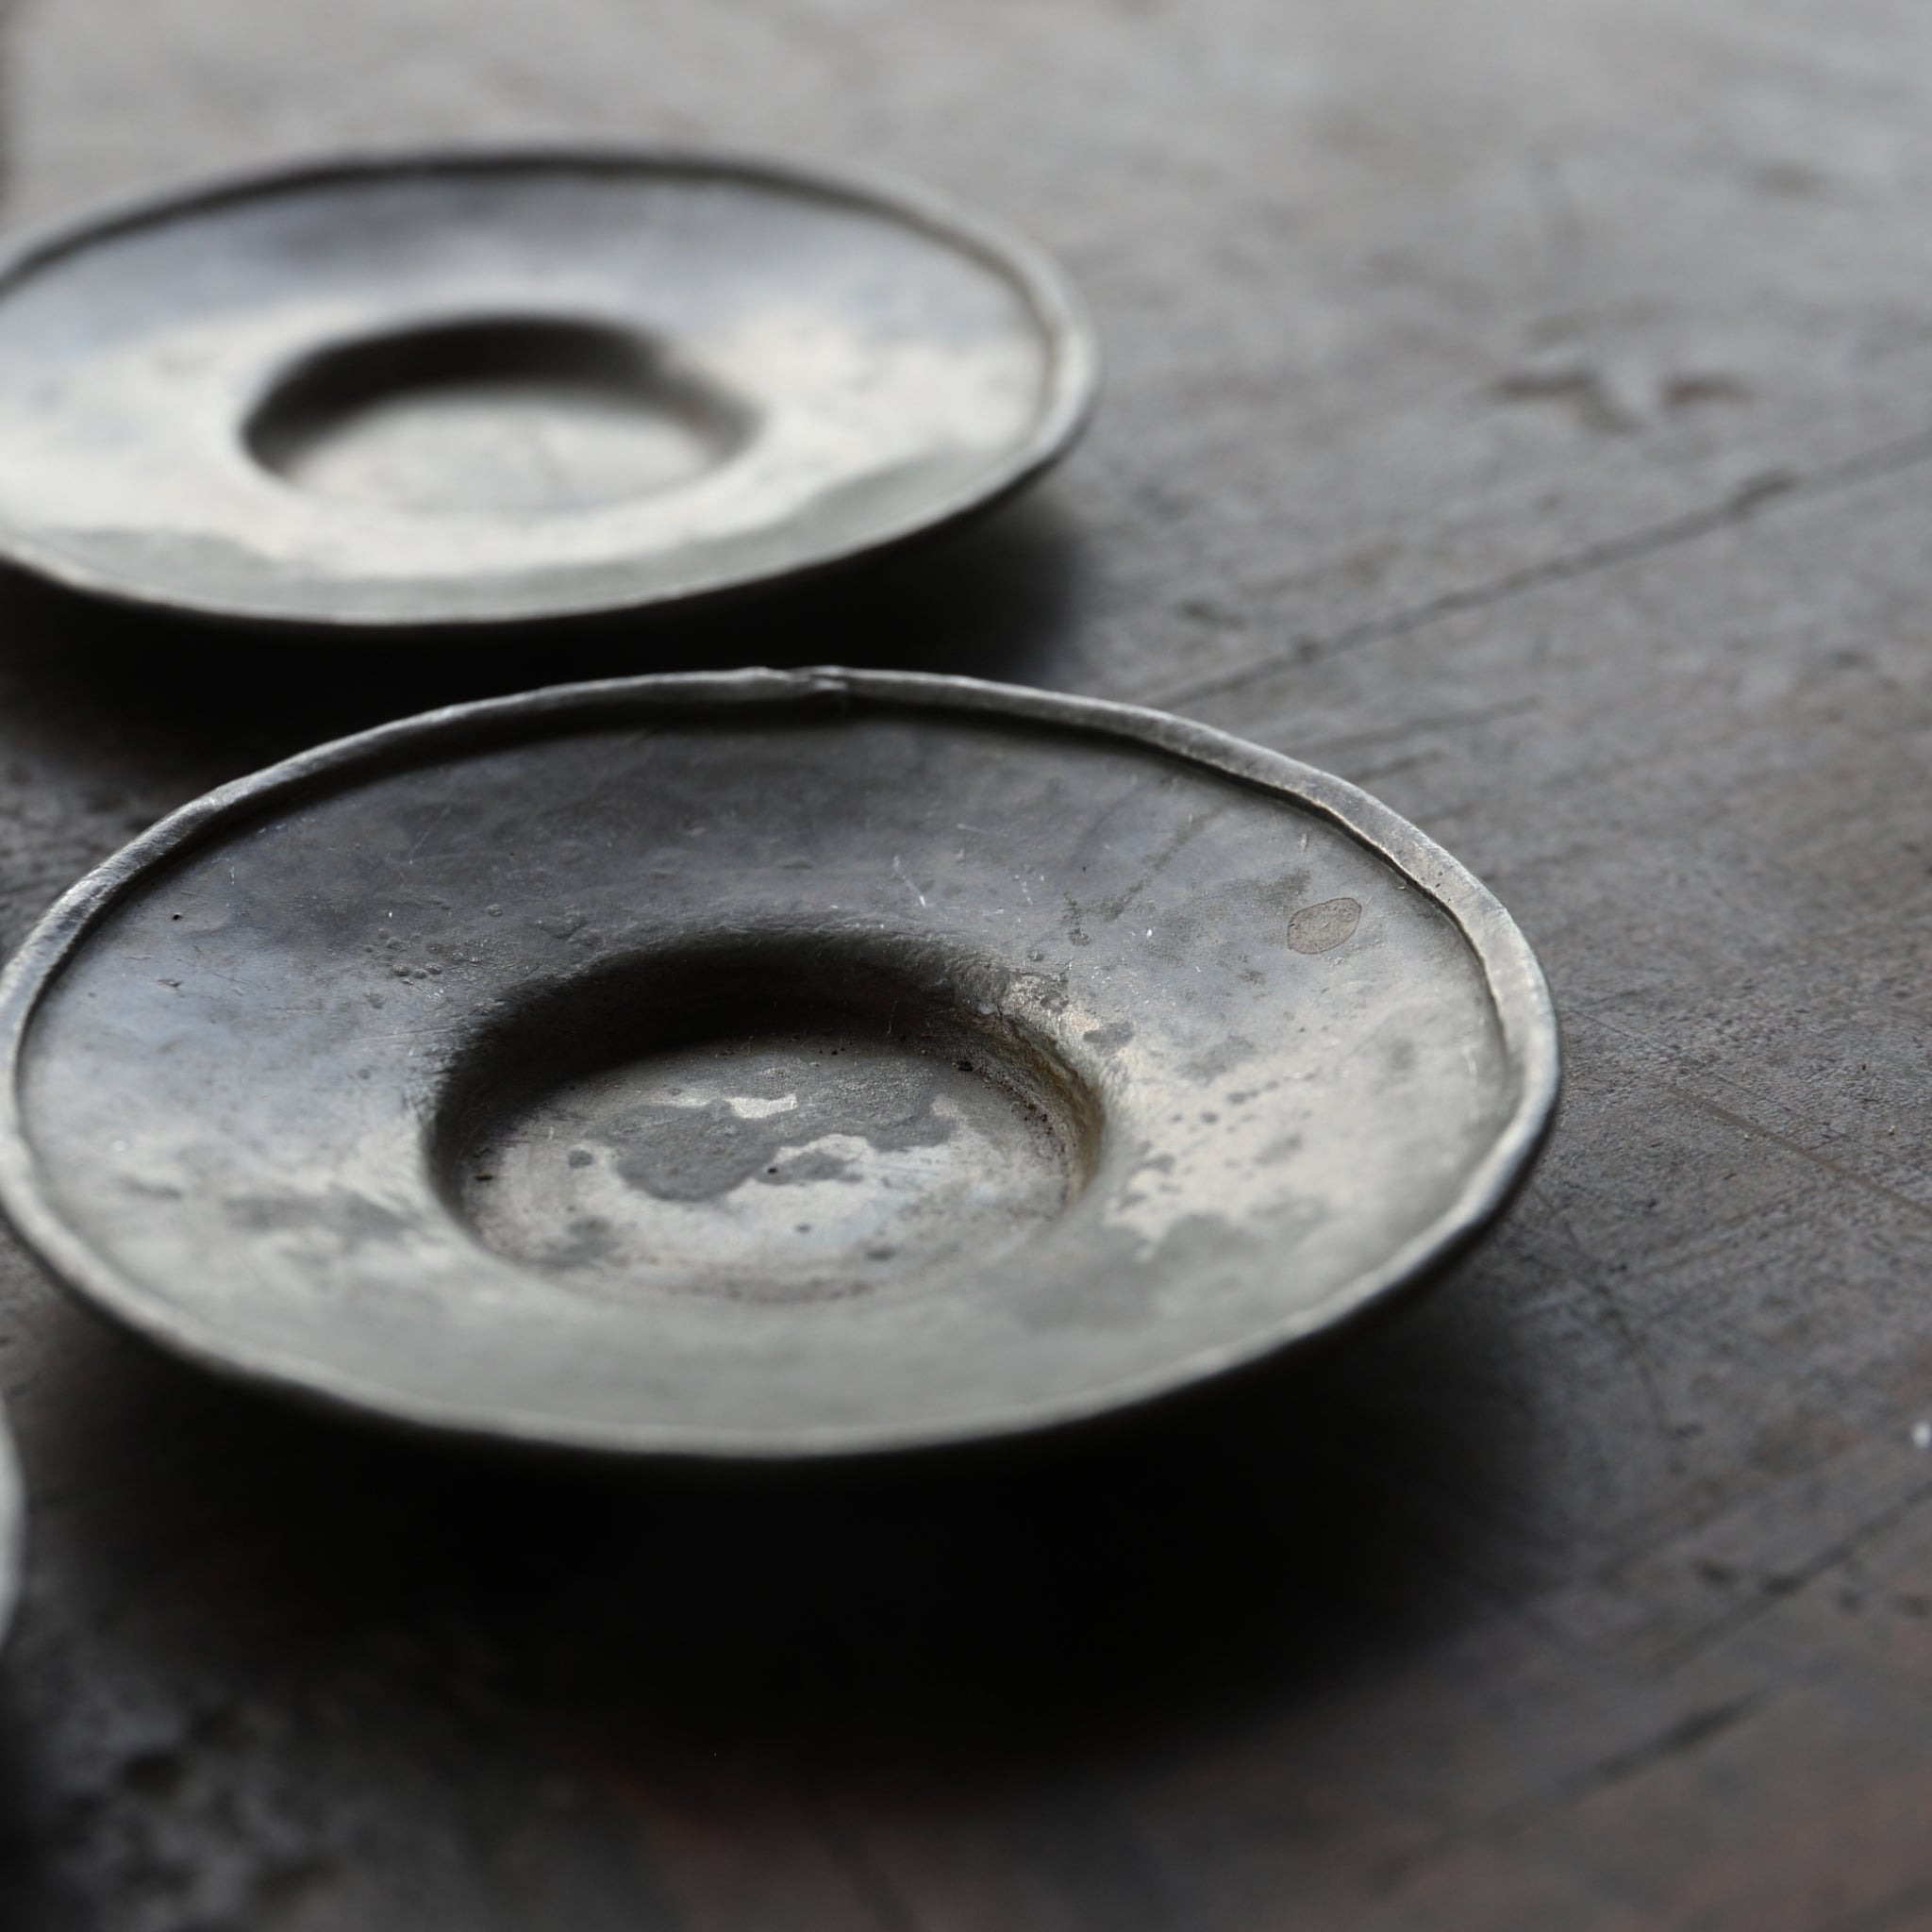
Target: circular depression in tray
pixel 472 389
pixel 801 1118
pixel 766 1064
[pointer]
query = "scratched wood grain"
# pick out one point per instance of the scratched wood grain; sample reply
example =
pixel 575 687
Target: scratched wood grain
pixel 1521 406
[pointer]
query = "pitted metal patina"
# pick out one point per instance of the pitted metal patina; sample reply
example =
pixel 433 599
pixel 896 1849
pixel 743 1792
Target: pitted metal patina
pixel 478 388
pixel 767 1064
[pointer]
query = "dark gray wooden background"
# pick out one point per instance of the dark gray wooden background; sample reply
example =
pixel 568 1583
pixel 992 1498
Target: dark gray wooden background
pixel 1521 407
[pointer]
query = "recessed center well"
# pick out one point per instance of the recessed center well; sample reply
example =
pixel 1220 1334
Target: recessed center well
pixel 512 416
pixel 829 1144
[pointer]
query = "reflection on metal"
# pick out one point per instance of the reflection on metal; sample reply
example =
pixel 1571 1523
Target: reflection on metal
pixel 767 1064
pixel 446 391
pixel 12 1530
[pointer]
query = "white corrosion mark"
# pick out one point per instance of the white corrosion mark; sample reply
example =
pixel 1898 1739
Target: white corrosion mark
pixel 747 1108
pixel 1921 1435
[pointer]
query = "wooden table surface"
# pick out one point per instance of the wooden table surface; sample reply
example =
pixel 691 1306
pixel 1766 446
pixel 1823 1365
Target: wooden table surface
pixel 1521 407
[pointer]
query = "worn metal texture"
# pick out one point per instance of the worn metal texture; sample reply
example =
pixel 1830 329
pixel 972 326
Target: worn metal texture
pixel 1519 406
pixel 498 388
pixel 767 1064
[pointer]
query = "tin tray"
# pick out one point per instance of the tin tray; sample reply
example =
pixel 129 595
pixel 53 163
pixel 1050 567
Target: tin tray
pixel 766 1064
pixel 463 390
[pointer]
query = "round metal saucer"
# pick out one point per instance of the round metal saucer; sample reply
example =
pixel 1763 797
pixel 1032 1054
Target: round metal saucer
pixel 766 1064
pixel 475 389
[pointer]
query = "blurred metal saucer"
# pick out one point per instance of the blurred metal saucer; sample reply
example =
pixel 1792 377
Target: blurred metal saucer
pixel 766 1065
pixel 474 389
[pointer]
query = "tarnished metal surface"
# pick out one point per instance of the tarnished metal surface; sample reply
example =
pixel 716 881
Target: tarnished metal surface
pixel 483 388
pixel 767 1063
pixel 1513 407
